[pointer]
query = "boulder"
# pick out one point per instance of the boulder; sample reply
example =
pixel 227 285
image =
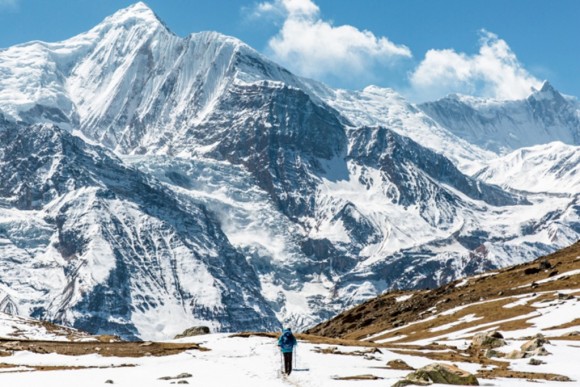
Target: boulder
pixel 536 362
pixel 491 353
pixel 438 373
pixel 492 339
pixel 193 331
pixel 534 343
pixel 541 351
pixel 515 354
pixel 573 333
pixel 183 375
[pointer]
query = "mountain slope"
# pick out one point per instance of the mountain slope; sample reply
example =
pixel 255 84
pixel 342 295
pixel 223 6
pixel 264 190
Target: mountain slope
pixel 114 252
pixel 509 299
pixel 553 167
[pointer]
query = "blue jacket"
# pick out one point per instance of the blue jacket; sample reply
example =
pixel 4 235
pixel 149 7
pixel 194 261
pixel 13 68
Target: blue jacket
pixel 287 341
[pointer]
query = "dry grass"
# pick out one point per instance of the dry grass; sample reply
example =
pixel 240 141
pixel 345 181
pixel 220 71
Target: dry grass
pixel 18 368
pixel 573 323
pixel 357 377
pixel 385 313
pixel 506 373
pixel 118 349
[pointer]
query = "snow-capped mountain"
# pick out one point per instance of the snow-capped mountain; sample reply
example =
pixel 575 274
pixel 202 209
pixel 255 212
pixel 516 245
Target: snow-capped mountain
pixel 502 126
pixel 92 243
pixel 553 167
pixel 151 182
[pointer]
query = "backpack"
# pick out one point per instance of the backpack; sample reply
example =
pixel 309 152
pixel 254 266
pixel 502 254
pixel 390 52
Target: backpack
pixel 287 341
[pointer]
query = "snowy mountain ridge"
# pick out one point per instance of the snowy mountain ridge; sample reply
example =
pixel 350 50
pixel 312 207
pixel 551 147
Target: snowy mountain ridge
pixel 205 184
pixel 503 126
pixel 553 167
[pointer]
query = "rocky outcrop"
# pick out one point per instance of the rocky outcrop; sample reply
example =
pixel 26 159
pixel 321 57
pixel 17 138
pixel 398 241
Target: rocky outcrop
pixel 534 344
pixel 193 331
pixel 489 340
pixel 533 347
pixel 438 373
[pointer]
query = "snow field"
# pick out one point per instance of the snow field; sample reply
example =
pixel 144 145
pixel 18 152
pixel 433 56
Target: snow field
pixel 253 361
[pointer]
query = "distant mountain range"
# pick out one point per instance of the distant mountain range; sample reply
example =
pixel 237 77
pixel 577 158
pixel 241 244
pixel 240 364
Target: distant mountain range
pixel 152 182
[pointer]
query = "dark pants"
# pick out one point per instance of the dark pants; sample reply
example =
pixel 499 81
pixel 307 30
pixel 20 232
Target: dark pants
pixel 287 362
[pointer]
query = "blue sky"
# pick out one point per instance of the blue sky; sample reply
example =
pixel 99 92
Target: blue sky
pixel 424 49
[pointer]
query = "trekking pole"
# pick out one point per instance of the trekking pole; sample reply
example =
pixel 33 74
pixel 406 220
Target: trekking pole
pixel 296 357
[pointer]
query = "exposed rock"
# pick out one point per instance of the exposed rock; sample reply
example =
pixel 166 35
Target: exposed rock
pixel 438 373
pixel 183 375
pixel 490 353
pixel 108 338
pixel 531 270
pixel 515 354
pixel 536 362
pixel 109 381
pixel 529 349
pixel 560 378
pixel 563 296
pixel 193 331
pixel 541 351
pixel 407 382
pixel 573 333
pixel 492 339
pixel 545 265
pixel 534 344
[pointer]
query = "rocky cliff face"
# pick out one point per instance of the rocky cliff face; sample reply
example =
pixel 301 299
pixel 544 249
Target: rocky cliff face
pixel 107 246
pixel 152 182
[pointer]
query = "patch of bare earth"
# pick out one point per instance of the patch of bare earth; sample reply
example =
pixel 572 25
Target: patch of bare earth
pixel 30 368
pixel 357 377
pixel 117 349
pixel 573 323
pixel 507 373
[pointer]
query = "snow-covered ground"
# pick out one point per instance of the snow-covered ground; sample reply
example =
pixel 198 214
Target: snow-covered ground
pixel 254 361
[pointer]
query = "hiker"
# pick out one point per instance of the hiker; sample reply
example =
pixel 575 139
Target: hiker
pixel 286 342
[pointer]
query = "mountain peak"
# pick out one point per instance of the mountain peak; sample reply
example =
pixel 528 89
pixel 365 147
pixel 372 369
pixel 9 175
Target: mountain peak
pixel 547 87
pixel 547 93
pixel 138 9
pixel 138 12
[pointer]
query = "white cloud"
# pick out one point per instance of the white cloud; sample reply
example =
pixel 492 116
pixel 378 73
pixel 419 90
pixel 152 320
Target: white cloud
pixel 316 48
pixel 262 10
pixel 493 72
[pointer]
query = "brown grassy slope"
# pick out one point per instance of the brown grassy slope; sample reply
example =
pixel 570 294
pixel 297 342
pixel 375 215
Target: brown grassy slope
pixel 384 312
